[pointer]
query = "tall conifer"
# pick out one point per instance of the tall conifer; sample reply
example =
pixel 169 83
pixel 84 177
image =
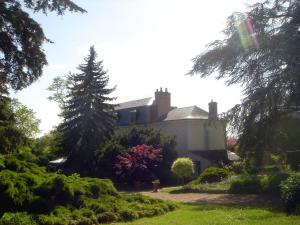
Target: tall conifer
pixel 88 117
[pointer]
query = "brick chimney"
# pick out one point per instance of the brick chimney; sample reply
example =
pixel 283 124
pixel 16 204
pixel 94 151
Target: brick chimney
pixel 162 103
pixel 212 110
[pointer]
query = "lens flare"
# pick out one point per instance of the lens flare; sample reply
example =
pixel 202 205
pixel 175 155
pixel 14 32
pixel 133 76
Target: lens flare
pixel 247 33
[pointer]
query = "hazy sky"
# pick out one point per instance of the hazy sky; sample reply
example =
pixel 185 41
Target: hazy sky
pixel 144 44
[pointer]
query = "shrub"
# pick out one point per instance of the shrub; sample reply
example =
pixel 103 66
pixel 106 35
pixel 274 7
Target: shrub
pixel 213 174
pixel 246 184
pixel 108 217
pixel 56 199
pixel 125 139
pixel 140 164
pixel 183 168
pixel 17 219
pixel 290 194
pixel 236 167
pixel 274 181
pixel 128 215
pixel 2 162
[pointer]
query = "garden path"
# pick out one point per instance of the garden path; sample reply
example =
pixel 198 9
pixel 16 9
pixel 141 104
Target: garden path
pixel 223 199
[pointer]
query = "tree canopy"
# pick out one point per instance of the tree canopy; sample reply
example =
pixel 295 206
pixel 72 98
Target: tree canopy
pixel 25 119
pixel 11 138
pixel 125 139
pixel 89 118
pixel 21 38
pixel 60 90
pixel 260 52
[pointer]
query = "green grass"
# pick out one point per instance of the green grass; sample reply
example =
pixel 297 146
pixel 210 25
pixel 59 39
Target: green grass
pixel 217 187
pixel 170 189
pixel 196 214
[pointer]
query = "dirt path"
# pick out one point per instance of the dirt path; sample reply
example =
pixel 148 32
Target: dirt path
pixel 224 199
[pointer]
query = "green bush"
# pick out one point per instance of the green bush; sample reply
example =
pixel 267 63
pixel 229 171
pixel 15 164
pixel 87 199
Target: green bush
pixel 247 184
pixel 236 167
pixel 108 217
pixel 17 219
pixel 128 215
pixel 183 168
pixel 125 139
pixel 2 162
pixel 274 181
pixel 57 199
pixel 290 194
pixel 213 174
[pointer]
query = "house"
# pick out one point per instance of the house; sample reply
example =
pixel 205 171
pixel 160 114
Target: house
pixel 200 134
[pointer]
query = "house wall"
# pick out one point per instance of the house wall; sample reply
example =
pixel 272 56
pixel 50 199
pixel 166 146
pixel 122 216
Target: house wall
pixel 194 134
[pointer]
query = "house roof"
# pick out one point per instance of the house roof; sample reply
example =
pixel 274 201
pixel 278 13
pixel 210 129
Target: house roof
pixel 211 155
pixel 191 112
pixel 134 103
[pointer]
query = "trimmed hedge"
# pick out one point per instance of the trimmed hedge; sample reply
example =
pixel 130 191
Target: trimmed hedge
pixel 212 175
pixel 246 184
pixel 183 168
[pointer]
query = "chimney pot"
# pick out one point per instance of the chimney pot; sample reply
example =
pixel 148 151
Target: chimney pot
pixel 161 89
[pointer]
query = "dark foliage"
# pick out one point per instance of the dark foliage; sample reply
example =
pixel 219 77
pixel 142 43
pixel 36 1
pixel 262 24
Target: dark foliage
pixel 125 139
pixel 140 164
pixel 274 182
pixel 212 174
pixel 290 194
pixel 259 52
pixel 293 159
pixel 11 138
pixel 46 148
pixel 21 39
pixel 246 184
pixel 89 119
pixel 48 198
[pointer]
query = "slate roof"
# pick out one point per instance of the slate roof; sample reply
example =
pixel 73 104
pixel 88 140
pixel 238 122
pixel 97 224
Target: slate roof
pixel 191 112
pixel 134 103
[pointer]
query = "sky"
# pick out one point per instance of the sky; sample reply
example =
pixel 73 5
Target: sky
pixel 144 45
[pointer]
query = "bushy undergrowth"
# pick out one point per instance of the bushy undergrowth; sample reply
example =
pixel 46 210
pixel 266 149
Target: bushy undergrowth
pixel 212 175
pixel 247 184
pixel 239 184
pixel 29 195
pixel 290 194
pixel 254 184
pixel 217 187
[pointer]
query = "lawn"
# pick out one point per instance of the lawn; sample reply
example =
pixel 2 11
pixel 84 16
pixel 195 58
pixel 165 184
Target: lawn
pixel 217 187
pixel 196 214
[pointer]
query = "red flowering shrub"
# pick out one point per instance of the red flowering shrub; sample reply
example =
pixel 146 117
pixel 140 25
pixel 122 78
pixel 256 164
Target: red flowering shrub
pixel 139 164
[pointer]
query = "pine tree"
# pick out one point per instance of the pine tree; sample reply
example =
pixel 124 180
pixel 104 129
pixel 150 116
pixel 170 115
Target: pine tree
pixel 21 38
pixel 88 117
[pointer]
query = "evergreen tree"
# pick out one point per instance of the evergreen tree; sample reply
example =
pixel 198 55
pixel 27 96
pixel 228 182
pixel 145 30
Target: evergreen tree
pixel 88 117
pixel 21 39
pixel 260 51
